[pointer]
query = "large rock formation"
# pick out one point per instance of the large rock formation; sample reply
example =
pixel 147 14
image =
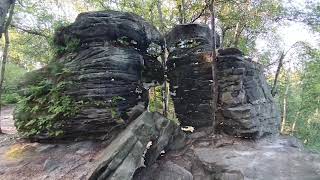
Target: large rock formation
pixel 96 87
pixel 190 74
pixel 105 59
pixel 246 107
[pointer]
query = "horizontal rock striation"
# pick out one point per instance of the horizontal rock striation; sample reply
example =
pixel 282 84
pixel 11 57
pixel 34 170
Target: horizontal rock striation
pixel 190 74
pixel 246 106
pixel 106 57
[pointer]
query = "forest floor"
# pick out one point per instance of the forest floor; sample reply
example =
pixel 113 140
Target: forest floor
pixel 24 160
pixel 6 120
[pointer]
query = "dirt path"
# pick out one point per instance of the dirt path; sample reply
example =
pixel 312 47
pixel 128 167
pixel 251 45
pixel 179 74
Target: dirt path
pixel 6 120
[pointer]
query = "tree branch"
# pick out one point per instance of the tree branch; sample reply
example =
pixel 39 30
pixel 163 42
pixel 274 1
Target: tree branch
pixel 30 31
pixel 201 13
pixel 274 87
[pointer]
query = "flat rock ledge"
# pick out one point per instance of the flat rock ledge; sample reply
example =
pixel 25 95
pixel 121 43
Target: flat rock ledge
pixel 138 145
pixel 226 158
pixel 197 156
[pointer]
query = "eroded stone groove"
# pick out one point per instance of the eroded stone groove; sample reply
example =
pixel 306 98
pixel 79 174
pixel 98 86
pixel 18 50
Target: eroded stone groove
pixel 190 74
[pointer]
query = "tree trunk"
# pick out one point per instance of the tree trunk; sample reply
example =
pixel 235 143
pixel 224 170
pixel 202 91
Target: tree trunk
pixel 5 51
pixel 285 103
pixel 4 7
pixel 164 59
pixel 236 35
pixel 214 64
pixel 183 7
pixel 274 87
pixel 182 12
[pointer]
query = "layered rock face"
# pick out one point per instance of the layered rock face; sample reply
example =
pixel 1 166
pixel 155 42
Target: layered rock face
pixel 118 53
pixel 246 107
pixel 113 54
pixel 190 74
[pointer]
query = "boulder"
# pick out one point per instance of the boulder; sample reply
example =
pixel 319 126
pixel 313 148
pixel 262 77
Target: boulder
pixel 247 108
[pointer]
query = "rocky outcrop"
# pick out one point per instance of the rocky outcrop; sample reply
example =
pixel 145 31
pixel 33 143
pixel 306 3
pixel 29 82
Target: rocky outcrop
pixel 97 88
pixel 105 59
pixel 246 107
pixel 139 145
pixel 226 158
pixel 204 157
pixel 190 74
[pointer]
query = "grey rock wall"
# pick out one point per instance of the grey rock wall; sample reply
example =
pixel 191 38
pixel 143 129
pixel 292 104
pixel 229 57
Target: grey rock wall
pixel 246 107
pixel 118 53
pixel 190 74
pixel 106 57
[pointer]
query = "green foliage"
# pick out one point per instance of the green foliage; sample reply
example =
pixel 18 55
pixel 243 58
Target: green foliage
pixel 10 98
pixel 43 105
pixel 72 45
pixel 155 102
pixel 309 130
pixel 44 108
pixel 303 102
pixel 114 107
pixel 13 75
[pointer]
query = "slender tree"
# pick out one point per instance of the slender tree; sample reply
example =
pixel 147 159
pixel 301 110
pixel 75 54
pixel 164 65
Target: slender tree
pixel 283 54
pixel 285 102
pixel 214 62
pixel 280 64
pixel 165 93
pixel 6 49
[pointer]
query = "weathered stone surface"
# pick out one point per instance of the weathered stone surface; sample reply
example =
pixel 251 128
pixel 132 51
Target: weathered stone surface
pixel 107 26
pixel 246 106
pixel 203 157
pixel 190 74
pixel 116 54
pixel 166 171
pixel 90 159
pixel 227 158
pixel 130 150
